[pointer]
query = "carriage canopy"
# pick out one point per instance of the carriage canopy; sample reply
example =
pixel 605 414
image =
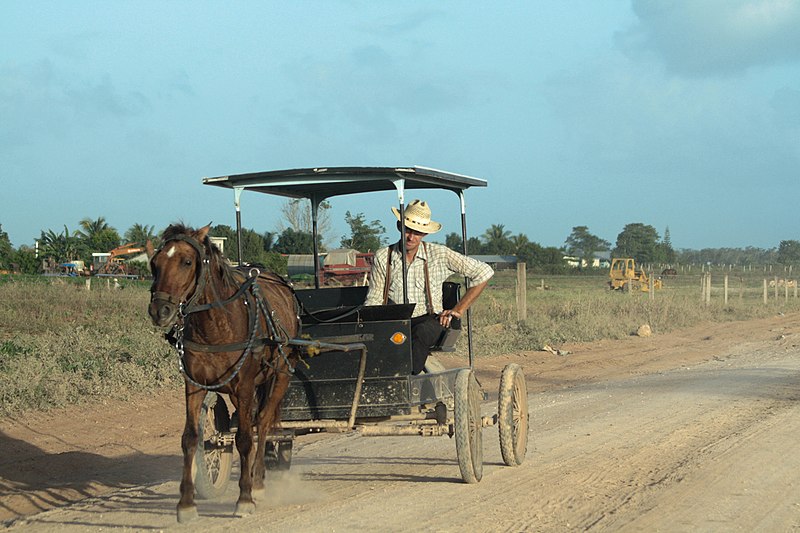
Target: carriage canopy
pixel 320 183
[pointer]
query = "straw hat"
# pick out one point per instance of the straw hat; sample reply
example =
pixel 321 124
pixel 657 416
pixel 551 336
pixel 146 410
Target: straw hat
pixel 418 217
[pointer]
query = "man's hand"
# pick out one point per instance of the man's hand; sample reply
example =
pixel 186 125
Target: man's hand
pixel 446 317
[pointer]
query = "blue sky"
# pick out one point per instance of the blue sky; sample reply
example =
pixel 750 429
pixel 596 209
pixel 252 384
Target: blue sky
pixel 680 114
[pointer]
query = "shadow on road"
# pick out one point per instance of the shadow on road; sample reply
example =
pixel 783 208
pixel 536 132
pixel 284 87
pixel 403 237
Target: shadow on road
pixel 32 480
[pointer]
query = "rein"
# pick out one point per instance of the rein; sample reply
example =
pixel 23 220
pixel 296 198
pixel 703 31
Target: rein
pixel 255 303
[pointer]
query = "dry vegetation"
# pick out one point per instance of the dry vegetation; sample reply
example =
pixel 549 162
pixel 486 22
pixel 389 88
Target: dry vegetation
pixel 582 308
pixel 61 344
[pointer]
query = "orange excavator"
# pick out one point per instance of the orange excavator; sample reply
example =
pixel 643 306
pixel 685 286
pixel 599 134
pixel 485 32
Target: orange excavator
pixel 113 262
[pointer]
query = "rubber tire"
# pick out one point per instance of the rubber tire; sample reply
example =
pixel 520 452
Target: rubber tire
pixel 468 426
pixel 278 455
pixel 212 464
pixel 512 415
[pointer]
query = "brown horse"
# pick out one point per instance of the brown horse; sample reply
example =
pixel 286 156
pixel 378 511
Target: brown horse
pixel 231 328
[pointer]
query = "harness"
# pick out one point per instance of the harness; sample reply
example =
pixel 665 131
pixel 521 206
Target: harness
pixel 256 304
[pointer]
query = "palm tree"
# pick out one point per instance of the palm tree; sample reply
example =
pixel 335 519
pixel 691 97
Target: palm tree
pixel 61 246
pixel 497 239
pixel 140 234
pixel 519 242
pixel 92 227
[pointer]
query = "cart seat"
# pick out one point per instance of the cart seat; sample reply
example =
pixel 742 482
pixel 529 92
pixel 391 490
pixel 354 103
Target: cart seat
pixel 451 294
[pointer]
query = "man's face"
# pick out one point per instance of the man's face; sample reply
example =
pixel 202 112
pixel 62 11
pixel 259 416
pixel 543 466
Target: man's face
pixel 412 238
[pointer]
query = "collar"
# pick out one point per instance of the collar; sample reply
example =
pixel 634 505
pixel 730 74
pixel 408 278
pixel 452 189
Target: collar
pixel 422 251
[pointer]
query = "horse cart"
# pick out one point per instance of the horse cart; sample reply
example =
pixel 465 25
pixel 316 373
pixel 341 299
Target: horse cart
pixel 354 372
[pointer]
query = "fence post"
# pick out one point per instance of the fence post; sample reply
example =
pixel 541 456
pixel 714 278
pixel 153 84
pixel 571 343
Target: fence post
pixel 725 285
pixel 652 287
pixel 765 291
pixel 703 288
pixel 522 295
pixel 776 288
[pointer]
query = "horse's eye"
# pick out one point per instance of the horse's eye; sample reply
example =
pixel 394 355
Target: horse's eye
pixel 188 262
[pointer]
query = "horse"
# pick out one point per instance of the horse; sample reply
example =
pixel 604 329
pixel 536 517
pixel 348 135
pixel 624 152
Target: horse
pixel 231 328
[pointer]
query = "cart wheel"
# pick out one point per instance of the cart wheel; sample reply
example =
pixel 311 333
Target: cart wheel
pixel 212 461
pixel 278 455
pixel 512 415
pixel 468 426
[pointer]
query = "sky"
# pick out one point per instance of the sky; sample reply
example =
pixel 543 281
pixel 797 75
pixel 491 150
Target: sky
pixel 677 114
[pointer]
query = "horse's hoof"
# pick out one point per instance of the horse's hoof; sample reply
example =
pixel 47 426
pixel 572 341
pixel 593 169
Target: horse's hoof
pixel 245 508
pixel 187 514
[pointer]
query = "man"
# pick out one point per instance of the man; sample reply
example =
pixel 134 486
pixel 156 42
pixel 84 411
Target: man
pixel 429 265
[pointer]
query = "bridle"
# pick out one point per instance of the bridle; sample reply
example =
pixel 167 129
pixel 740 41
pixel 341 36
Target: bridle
pixel 254 302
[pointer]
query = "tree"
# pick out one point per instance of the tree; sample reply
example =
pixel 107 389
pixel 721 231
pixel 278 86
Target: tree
pixel 454 242
pixel 6 249
pixel 666 246
pixel 583 244
pixel 639 241
pixel 103 241
pixel 24 260
pixel 61 247
pixel 297 216
pixel 97 236
pixel 497 240
pixel 789 252
pixel 294 242
pixel 547 260
pixel 141 233
pixel 89 227
pixel 363 237
pixel 253 246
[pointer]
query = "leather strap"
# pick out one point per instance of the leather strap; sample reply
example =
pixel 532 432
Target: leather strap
pixel 429 303
pixel 388 277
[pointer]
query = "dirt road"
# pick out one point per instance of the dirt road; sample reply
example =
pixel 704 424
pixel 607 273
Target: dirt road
pixel 695 430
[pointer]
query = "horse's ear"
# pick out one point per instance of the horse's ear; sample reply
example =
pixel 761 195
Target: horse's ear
pixel 149 250
pixel 202 233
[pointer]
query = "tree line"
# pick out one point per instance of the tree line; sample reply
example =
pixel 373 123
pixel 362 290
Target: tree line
pixel 637 240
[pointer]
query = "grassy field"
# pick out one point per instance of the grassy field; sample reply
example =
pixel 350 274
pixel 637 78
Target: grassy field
pixel 582 308
pixel 62 344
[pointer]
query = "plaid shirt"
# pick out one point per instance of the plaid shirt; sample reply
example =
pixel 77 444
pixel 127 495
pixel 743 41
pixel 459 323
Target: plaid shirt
pixel 442 263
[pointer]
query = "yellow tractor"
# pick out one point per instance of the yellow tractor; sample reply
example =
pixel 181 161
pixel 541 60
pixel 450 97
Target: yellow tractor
pixel 625 276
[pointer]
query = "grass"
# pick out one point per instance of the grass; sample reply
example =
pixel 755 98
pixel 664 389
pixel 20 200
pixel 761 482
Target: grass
pixel 582 308
pixel 61 344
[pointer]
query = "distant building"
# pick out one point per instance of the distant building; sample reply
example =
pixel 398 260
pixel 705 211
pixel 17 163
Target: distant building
pixel 600 260
pixel 219 242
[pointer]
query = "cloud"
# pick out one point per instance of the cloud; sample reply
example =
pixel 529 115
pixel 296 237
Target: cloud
pixel 714 37
pixel 364 91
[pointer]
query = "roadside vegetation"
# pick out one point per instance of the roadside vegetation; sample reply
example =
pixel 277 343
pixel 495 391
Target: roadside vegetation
pixel 568 309
pixel 61 344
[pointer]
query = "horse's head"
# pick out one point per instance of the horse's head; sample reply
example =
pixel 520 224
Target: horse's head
pixel 177 268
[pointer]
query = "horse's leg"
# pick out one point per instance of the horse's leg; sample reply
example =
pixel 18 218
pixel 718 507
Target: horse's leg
pixel 244 443
pixel 187 510
pixel 267 418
